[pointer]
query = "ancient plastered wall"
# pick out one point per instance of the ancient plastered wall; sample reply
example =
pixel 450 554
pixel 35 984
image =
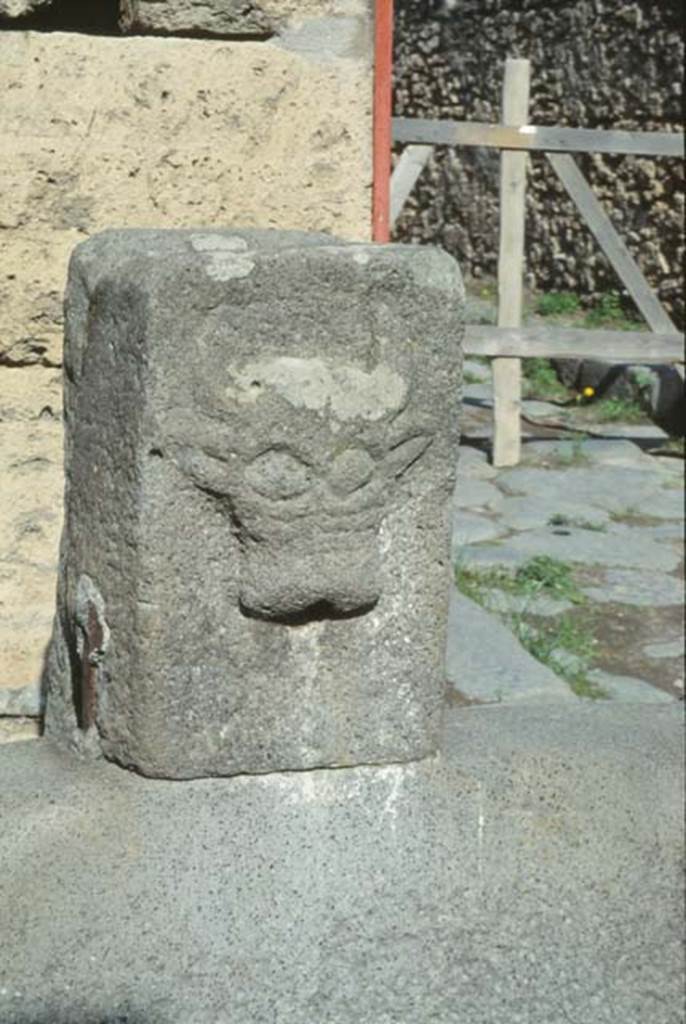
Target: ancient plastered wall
pixel 158 132
pixel 595 64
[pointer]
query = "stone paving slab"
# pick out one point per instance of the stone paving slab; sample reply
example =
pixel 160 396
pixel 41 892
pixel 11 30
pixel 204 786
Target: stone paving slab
pixel 666 503
pixel 631 586
pixel 525 514
pixel 666 649
pixel 485 662
pixel 622 513
pixel 472 462
pixel 598 451
pixel 481 393
pixel 616 489
pixel 471 528
pixel 582 547
pixel 471 493
pixel 628 690
pixel 536 409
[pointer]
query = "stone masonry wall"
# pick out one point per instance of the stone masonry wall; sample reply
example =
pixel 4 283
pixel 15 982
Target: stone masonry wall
pixel 595 64
pixel 107 130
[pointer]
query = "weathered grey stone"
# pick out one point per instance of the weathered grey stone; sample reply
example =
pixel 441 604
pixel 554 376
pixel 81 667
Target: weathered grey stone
pixel 320 32
pixel 261 437
pixel 497 883
pixel 184 17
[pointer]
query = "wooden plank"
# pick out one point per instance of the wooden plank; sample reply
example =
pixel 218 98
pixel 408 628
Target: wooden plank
pixel 574 343
pixel 534 137
pixel 609 241
pixel 507 385
pixel 405 173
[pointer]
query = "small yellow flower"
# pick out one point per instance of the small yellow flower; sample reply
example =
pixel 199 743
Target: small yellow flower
pixel 588 392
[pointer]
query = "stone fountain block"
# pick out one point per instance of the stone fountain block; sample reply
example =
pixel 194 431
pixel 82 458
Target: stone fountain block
pixel 261 433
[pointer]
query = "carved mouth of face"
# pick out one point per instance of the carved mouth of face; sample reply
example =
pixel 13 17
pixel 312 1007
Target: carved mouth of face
pixel 325 574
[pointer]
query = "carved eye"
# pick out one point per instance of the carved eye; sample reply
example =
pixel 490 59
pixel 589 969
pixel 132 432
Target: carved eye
pixel 206 470
pixel 404 454
pixel 351 470
pixel 278 475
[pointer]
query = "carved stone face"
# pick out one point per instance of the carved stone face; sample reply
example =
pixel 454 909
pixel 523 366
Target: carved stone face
pixel 305 454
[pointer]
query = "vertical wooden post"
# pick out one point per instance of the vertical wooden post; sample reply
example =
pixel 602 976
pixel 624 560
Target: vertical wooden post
pixel 507 387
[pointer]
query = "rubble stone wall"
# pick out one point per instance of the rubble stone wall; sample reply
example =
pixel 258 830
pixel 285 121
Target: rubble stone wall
pixel 103 130
pixel 595 64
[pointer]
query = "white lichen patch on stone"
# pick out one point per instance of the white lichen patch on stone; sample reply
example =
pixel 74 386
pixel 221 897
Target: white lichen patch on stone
pixel 219 243
pixel 228 255
pixel 346 391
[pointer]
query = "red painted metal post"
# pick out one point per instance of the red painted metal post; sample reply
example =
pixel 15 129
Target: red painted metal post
pixel 383 69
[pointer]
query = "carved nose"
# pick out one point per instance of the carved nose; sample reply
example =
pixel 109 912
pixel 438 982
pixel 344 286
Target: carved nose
pixel 350 470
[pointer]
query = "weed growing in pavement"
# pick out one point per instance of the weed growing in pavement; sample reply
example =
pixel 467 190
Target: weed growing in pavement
pixel 544 574
pixel 557 304
pixel 564 635
pixel 474 583
pixel 540 575
pixel 549 643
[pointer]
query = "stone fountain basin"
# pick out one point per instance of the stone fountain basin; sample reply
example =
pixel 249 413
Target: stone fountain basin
pixel 529 872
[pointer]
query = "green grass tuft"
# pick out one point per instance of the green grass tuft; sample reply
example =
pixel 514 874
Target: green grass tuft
pixel 557 304
pixel 618 410
pixel 568 635
pixel 540 575
pixel 540 381
pixel 608 312
pixel 544 574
